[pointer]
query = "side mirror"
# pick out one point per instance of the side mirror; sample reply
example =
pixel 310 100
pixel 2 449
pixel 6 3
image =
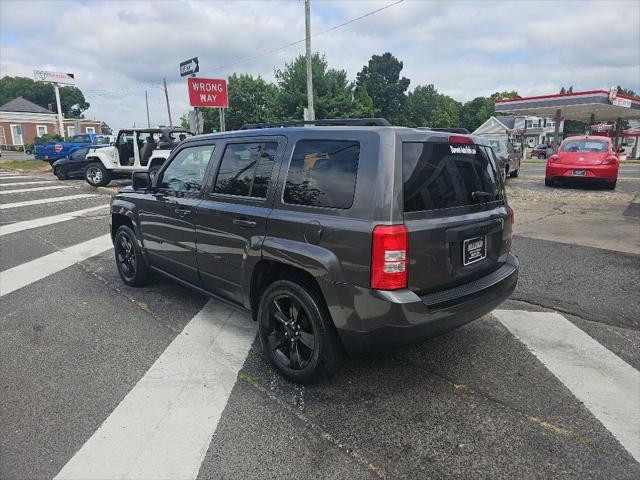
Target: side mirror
pixel 113 144
pixel 141 181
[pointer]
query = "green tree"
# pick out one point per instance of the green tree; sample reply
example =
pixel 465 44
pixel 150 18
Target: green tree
pixel 477 111
pixel 333 95
pixel 251 99
pixel 425 107
pixel 105 128
pixel 381 79
pixel 626 91
pixel 72 100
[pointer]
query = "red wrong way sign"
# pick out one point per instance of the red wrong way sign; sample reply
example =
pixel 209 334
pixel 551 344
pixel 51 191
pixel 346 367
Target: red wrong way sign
pixel 207 92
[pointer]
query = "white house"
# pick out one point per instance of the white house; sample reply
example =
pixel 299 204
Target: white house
pixel 530 130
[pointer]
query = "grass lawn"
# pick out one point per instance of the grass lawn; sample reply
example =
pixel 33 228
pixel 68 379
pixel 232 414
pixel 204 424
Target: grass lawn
pixel 25 165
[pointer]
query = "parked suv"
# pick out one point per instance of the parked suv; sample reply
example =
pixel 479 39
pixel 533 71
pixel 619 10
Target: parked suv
pixel 337 238
pixel 508 158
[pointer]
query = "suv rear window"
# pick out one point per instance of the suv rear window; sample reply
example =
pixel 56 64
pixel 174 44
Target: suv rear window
pixel 444 175
pixel 323 173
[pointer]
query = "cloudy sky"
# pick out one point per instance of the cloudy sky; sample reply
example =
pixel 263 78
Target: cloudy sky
pixel 117 49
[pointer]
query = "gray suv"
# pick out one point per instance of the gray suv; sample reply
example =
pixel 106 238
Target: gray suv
pixel 339 236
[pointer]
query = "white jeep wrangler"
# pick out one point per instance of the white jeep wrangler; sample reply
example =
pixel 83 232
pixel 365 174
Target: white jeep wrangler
pixel 135 150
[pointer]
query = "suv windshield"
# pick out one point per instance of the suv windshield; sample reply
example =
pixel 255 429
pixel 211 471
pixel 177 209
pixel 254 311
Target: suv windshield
pixel 443 175
pixel 584 146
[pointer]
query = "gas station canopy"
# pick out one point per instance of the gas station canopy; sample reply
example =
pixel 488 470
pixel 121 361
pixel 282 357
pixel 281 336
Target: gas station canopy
pixel 594 105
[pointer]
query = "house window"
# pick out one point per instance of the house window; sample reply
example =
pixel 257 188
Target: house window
pixel 41 130
pixel 529 123
pixel 16 134
pixel 90 129
pixel 71 131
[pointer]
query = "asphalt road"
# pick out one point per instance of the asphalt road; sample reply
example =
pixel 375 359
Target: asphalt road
pixel 479 402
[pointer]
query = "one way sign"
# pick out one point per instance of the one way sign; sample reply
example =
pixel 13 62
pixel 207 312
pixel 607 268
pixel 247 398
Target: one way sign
pixel 189 67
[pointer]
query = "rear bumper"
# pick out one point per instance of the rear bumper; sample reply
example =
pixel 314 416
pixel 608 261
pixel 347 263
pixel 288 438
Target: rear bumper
pixel 399 317
pixel 593 172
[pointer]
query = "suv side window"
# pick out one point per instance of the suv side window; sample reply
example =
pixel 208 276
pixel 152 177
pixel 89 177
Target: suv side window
pixel 245 169
pixel 323 173
pixel 186 171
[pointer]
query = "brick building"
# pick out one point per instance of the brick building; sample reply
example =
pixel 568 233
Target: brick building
pixel 35 122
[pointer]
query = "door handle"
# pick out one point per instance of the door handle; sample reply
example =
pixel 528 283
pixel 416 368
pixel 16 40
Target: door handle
pixel 244 223
pixel 182 211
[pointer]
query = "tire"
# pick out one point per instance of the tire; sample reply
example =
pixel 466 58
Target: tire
pixel 61 173
pixel 542 156
pixel 96 175
pixel 132 266
pixel 611 185
pixel 515 173
pixel 301 344
pixel 549 182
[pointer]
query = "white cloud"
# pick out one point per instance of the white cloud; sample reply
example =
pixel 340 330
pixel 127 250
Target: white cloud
pixel 118 49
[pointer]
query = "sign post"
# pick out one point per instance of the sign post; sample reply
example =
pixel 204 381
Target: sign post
pixel 56 78
pixel 209 92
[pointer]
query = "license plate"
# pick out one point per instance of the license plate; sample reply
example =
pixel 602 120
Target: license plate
pixel 474 250
pixel 579 173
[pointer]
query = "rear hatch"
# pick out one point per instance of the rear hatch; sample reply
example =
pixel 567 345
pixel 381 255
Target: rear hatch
pixel 455 213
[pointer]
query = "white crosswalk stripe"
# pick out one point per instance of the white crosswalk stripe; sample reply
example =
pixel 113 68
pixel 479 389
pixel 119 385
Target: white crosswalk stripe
pixel 25 274
pixel 35 189
pixel 44 221
pixel 11 177
pixel 41 201
pixel 15 184
pixel 164 425
pixel 608 386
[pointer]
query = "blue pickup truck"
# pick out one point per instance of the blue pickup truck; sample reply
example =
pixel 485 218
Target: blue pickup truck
pixel 52 151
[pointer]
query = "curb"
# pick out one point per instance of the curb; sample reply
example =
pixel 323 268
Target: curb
pixel 111 191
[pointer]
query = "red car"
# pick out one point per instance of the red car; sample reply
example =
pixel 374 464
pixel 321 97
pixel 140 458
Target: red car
pixel 585 158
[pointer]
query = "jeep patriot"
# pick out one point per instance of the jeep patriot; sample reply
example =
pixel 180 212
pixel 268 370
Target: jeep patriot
pixel 339 236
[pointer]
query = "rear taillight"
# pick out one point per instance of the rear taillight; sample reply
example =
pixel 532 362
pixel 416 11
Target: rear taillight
pixel 389 257
pixel 461 139
pixel 512 221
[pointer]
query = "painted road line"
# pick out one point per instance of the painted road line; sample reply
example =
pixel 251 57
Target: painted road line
pixel 15 184
pixel 44 221
pixel 11 177
pixel 28 203
pixel 35 189
pixel 608 386
pixel 163 427
pixel 25 274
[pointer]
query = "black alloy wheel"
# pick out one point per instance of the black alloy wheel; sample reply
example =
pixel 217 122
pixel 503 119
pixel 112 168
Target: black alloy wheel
pixel 131 266
pixel 126 256
pixel 291 336
pixel 297 333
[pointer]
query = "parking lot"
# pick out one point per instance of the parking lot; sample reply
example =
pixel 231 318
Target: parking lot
pixel 96 374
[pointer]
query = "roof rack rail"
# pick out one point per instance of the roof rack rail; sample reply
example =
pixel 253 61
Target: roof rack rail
pixel 450 130
pixel 328 122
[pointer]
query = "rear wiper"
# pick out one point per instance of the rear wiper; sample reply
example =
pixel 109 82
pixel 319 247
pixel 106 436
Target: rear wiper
pixel 480 193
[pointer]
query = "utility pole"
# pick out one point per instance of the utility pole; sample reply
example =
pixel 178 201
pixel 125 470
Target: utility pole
pixel 59 106
pixel 311 114
pixel 166 94
pixel 146 100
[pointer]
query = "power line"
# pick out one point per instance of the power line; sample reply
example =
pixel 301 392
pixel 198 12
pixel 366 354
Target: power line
pixel 269 52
